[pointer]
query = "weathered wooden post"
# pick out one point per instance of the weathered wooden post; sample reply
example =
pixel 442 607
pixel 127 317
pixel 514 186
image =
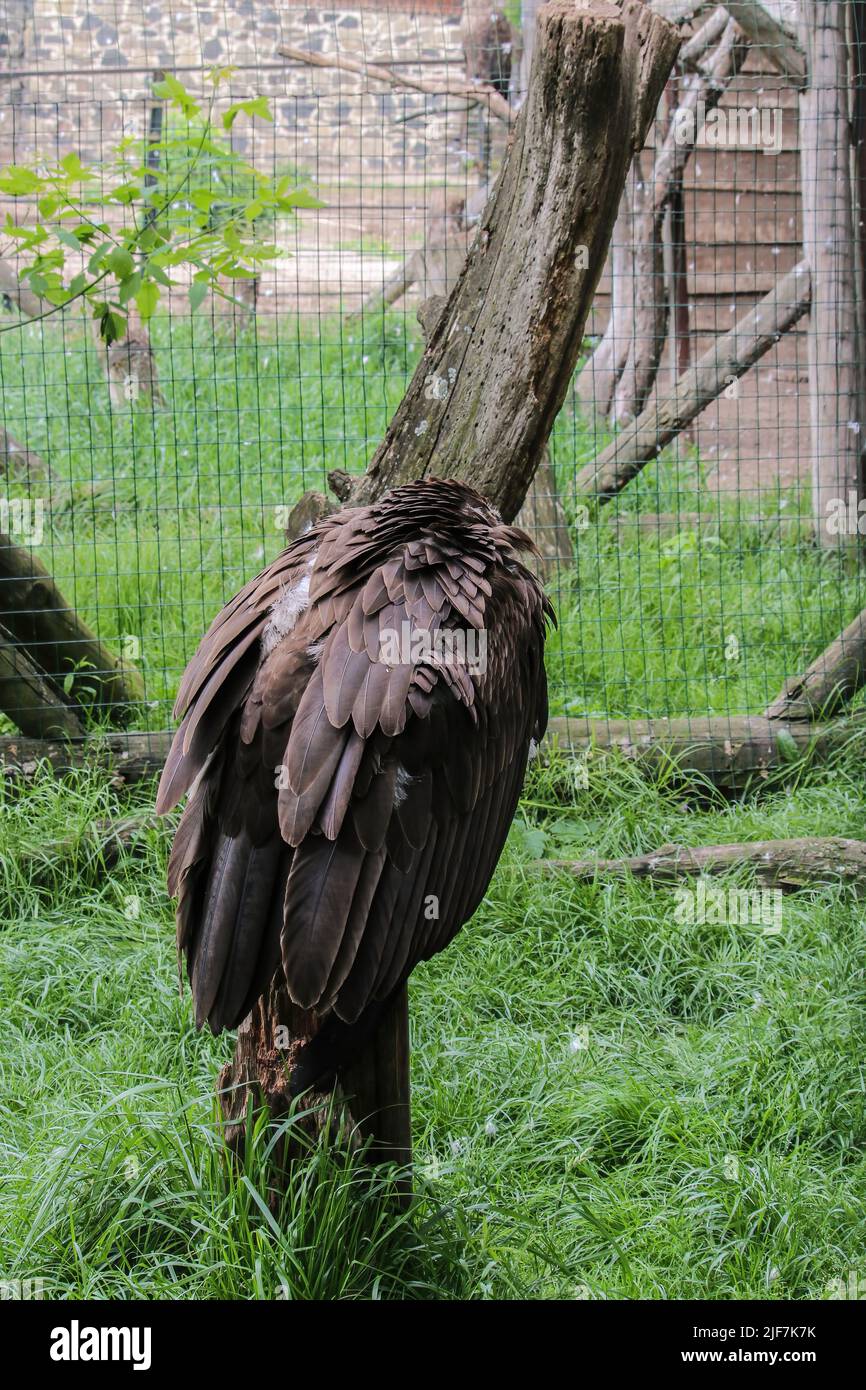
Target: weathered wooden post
pixel 483 399
pixel 835 353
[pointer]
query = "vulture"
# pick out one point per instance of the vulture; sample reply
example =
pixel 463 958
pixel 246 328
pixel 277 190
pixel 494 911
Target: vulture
pixel 488 46
pixel 355 729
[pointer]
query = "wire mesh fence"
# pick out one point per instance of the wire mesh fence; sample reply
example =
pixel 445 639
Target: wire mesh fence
pixel 143 484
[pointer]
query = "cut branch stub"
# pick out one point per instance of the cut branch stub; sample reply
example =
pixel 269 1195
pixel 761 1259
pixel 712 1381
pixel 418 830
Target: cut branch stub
pixel 495 372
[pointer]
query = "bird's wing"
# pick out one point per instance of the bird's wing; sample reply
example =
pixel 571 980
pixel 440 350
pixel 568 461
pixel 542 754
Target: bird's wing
pixel 393 781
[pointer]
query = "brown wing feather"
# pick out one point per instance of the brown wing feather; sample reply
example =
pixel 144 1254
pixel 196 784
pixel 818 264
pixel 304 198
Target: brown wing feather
pixel 340 791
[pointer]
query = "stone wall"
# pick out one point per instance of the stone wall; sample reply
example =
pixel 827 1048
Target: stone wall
pixel 82 72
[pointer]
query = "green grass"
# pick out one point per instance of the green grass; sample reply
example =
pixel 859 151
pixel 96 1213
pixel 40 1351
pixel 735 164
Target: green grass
pixel 607 1103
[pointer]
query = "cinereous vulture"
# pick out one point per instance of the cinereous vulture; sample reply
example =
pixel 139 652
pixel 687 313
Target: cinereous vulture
pixel 355 729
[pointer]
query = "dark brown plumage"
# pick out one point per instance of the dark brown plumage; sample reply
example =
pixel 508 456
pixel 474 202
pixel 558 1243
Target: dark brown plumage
pixel 349 797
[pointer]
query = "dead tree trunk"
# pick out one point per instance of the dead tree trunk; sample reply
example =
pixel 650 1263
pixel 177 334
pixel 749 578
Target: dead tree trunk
pixel 620 375
pixel 835 359
pixel 494 373
pixel 496 370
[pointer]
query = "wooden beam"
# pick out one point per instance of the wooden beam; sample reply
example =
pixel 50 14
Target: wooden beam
pixel 726 751
pixel 831 679
pixel 729 751
pixel 125 758
pixel 773 26
pixel 29 698
pixel 442 86
pixel 729 358
pixel 46 625
pixel 835 352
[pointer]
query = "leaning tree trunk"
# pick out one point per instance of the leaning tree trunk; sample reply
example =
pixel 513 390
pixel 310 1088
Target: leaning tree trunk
pixel 495 370
pixel 58 642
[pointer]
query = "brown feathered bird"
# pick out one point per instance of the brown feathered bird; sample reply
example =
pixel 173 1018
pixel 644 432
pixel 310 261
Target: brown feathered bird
pixel 355 731
pixel 488 45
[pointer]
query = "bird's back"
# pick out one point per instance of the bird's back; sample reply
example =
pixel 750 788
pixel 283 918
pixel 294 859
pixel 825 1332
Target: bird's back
pixel 357 723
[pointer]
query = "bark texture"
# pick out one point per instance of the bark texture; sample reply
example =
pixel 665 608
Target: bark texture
pixel 57 641
pixel 831 679
pixel 729 752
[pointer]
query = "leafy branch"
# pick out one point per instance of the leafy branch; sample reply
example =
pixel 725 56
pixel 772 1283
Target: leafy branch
pixel 189 199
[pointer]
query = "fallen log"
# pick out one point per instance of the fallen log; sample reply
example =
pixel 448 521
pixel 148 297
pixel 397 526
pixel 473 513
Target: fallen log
pixel 29 698
pixel 730 752
pixel 831 680
pixel 729 358
pixel 785 864
pixel 46 625
pixel 125 758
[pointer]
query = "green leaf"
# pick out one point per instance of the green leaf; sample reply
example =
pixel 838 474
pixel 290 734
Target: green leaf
pixel 255 106
pixel 787 746
pixel 95 262
pixel 175 92
pixel 112 326
pixel 147 299
pixel 72 167
pixel 301 198
pixel 197 292
pixel 68 238
pixel 16 181
pixel 129 288
pixel 124 193
pixel 120 262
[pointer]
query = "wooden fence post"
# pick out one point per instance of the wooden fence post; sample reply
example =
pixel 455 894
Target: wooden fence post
pixel 835 353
